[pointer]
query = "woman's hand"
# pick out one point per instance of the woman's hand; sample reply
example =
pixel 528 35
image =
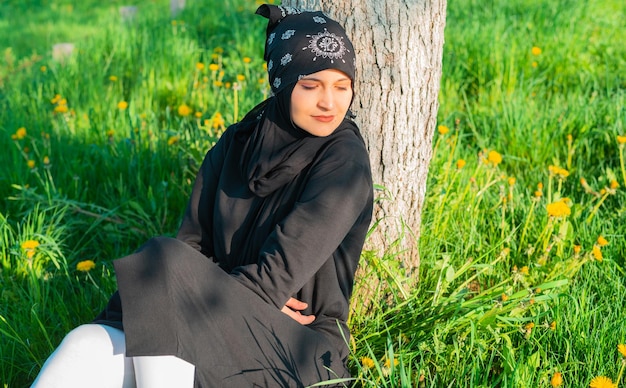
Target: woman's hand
pixel 293 307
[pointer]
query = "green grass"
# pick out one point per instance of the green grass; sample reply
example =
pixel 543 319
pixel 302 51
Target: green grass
pixel 508 295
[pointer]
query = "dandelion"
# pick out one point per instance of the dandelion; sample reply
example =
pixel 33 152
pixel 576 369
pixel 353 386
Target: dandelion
pixel 535 51
pixel 110 133
pixel 524 270
pixel 265 66
pixel 218 121
pixel 553 325
pixel 43 69
pixel 442 129
pixel 494 158
pixel 55 99
pixel 46 160
pixel 247 60
pixel 621 139
pixel 30 163
pixel 61 109
pixel 85 266
pixel 534 64
pixel 602 241
pixel 367 362
pixel 621 348
pixel 184 110
pixel 511 181
pixel 113 78
pixel 556 380
pixel 218 83
pixel 199 66
pixel 172 140
pixel 388 362
pixel 613 185
pixel 20 133
pixel 577 249
pixel 529 326
pixel 122 105
pixel 596 252
pixel 460 164
pixel 602 382
pixel 241 77
pixel 198 115
pixel 29 246
pixel 504 297
pixel 218 50
pixel 558 171
pixel 558 209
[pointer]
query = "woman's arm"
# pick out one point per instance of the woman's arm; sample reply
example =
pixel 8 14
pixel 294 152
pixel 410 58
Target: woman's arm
pixel 192 231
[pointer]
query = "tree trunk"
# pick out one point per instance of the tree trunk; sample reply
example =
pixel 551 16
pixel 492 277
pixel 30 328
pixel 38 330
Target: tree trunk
pixel 399 46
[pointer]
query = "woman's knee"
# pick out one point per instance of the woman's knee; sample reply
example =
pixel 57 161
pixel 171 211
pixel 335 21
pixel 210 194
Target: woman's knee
pixel 94 338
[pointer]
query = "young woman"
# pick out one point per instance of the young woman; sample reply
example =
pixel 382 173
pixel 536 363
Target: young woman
pixel 255 288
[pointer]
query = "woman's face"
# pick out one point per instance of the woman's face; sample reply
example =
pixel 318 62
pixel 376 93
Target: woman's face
pixel 320 101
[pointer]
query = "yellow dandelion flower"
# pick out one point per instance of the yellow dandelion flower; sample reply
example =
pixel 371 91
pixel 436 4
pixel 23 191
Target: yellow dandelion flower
pixel 535 51
pixel 61 109
pixel 511 181
pixel 241 77
pixel 558 171
pixel 534 64
pixel 218 50
pixel 596 252
pixel 460 164
pixel 46 160
pixel 553 325
pixel 110 133
pixel 261 81
pixel 122 105
pixel 85 266
pixel 367 363
pixel 529 326
pixel 184 110
pixel 43 69
pixel 218 120
pixel 558 209
pixel 602 382
pixel 247 59
pixel 538 194
pixel 621 348
pixel 388 362
pixel 556 380
pixel 524 270
pixel 227 85
pixel 621 139
pixel 613 185
pixel 602 241
pixel 55 99
pixel 504 297
pixel 200 66
pixel 29 247
pixel 218 83
pixel 172 140
pixel 20 133
pixel 113 78
pixel 198 115
pixel 494 158
pixel 577 249
pixel 442 129
pixel 30 163
pixel 265 66
pixel 30 244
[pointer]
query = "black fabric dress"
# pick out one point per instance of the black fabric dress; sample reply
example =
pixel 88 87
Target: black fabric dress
pixel 213 295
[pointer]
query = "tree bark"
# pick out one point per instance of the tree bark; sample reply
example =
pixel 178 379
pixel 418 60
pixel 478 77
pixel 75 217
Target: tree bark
pixel 399 45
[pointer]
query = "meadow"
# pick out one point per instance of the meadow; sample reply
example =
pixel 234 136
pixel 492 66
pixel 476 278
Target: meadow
pixel 522 279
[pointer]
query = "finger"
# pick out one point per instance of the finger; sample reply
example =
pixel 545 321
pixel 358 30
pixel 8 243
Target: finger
pixel 296 316
pixel 296 304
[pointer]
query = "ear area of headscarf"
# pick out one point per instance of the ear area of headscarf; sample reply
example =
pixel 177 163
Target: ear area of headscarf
pixel 271 12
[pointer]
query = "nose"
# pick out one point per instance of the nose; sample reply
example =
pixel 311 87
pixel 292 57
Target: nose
pixel 326 100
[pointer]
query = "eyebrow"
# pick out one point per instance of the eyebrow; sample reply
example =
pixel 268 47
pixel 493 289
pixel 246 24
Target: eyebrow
pixel 319 80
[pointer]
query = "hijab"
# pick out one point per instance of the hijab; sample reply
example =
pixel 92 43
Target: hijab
pixel 298 43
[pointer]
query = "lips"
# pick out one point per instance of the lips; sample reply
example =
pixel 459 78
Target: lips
pixel 324 119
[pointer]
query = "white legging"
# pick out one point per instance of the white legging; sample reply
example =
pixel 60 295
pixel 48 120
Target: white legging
pixel 93 356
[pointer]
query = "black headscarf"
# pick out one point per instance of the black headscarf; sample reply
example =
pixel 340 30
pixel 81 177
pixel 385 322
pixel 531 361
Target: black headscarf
pixel 298 43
